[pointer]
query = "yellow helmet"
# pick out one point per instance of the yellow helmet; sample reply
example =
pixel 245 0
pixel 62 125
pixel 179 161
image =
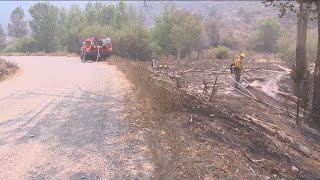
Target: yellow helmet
pixel 242 55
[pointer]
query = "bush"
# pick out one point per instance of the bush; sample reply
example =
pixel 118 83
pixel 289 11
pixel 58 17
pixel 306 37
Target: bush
pixel 286 48
pixel 311 47
pixel 221 52
pixel 133 42
pixel 25 45
pixel 155 49
pixel 267 35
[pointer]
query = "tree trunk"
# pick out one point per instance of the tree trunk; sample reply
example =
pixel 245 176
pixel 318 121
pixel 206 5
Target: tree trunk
pixel 301 51
pixel 316 82
pixel 179 53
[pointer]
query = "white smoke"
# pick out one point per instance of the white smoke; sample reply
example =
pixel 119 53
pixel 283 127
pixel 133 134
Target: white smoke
pixel 270 87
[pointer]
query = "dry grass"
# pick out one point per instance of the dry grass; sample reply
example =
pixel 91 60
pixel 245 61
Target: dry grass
pixel 7 69
pixel 159 95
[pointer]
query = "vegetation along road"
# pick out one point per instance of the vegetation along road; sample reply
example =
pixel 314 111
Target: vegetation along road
pixel 64 119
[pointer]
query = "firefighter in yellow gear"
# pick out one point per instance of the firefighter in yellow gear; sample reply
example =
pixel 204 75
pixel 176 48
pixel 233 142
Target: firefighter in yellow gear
pixel 238 67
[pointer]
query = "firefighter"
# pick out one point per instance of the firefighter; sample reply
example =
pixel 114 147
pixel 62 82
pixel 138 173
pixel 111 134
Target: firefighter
pixel 238 67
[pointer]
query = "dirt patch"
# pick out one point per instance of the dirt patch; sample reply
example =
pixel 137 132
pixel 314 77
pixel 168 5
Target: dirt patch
pixel 7 69
pixel 193 138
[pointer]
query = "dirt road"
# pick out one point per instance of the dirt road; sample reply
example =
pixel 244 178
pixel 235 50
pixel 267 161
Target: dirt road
pixel 63 119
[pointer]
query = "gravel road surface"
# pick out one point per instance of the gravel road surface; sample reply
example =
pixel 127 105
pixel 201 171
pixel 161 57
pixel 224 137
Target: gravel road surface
pixel 63 119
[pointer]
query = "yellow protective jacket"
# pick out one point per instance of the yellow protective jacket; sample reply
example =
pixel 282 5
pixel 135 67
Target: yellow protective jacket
pixel 238 63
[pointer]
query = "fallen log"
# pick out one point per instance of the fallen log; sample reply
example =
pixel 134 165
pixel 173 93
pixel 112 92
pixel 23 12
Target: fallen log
pixel 255 78
pixel 280 135
pixel 287 95
pixel 266 126
pixel 286 69
pixel 279 72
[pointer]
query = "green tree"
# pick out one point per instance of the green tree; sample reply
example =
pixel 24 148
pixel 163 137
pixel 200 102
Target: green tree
pixel 107 14
pixel 268 34
pixel 121 17
pixel 44 25
pixel 213 30
pixel 25 44
pixel 75 22
pixel 95 30
pixel 61 30
pixel 74 17
pixel 186 33
pixel 133 43
pixel 17 28
pixel 2 39
pixel 163 28
pixel 91 12
pixel 286 48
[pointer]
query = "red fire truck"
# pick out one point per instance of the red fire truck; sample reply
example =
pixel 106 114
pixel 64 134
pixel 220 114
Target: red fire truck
pixel 95 49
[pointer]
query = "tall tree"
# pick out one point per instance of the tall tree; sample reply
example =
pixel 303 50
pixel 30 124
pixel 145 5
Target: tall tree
pixel 17 28
pixel 44 25
pixel 268 34
pixel 61 30
pixel 185 33
pixel 213 30
pixel 2 38
pixel 163 28
pixel 107 15
pixel 75 22
pixel 90 12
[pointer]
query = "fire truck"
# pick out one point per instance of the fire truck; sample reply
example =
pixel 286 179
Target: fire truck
pixel 95 49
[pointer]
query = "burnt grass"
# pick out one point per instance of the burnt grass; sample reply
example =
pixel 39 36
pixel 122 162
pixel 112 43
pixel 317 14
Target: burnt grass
pixel 191 138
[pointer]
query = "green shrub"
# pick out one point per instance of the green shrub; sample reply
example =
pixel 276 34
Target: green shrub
pixel 311 46
pixel 133 42
pixel 155 49
pixel 25 45
pixel 286 48
pixel 221 52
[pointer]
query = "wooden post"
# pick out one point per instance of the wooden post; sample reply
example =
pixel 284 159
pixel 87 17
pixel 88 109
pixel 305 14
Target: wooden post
pixel 205 83
pixel 179 81
pixel 214 87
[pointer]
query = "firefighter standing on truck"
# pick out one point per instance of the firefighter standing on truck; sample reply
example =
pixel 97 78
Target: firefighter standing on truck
pixel 238 66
